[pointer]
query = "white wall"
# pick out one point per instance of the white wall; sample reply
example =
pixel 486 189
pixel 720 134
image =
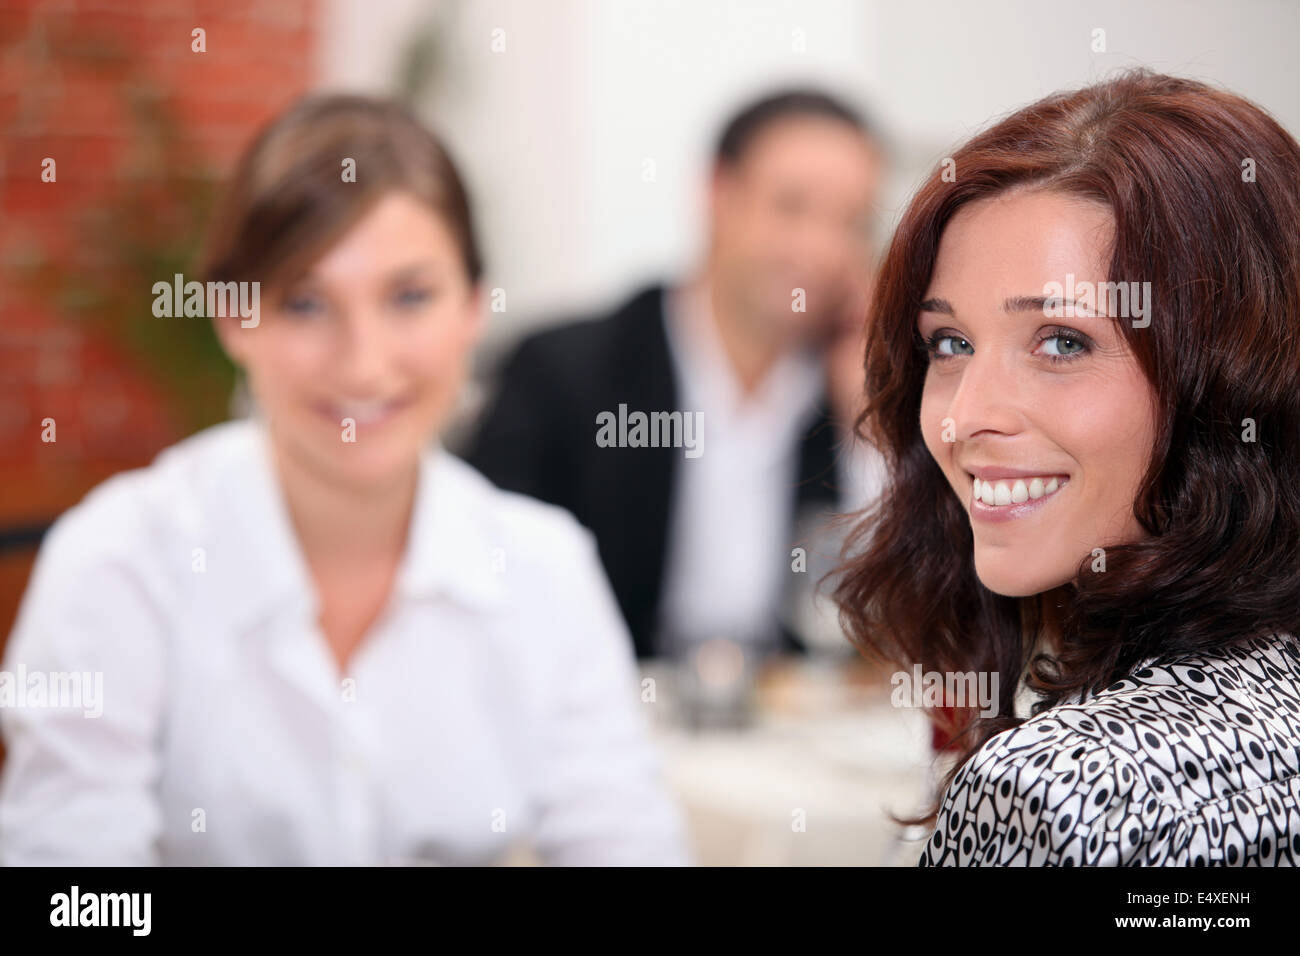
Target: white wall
pixel 948 68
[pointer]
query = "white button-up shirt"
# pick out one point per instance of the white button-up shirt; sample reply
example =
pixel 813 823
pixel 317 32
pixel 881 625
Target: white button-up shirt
pixel 494 702
pixel 730 537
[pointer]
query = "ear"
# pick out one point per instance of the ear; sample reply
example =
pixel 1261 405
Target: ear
pixel 724 184
pixel 720 180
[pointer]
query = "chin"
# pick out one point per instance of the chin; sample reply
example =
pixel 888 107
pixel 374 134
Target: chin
pixel 374 467
pixel 1009 578
pixel 371 461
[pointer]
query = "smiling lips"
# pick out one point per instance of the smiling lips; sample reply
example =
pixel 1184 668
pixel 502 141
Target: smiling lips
pixel 1015 491
pixel 1003 494
pixel 365 414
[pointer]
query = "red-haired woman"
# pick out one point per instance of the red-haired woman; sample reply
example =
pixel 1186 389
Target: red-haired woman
pixel 1084 371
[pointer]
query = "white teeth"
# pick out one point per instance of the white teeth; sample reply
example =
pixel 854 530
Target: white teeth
pixel 364 412
pixel 1014 491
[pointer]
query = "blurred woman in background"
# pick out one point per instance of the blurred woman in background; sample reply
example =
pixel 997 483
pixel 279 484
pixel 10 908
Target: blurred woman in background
pixel 323 639
pixel 1084 371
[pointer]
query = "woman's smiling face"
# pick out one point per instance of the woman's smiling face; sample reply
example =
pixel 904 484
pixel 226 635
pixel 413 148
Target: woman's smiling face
pixel 360 361
pixel 1043 426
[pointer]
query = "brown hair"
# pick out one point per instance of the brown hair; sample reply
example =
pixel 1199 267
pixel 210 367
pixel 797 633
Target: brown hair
pixel 743 128
pixel 287 201
pixel 1169 157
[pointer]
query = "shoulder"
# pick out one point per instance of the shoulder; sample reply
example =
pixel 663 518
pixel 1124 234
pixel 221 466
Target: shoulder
pixel 533 562
pixel 1131 774
pixel 1195 723
pixel 579 343
pixel 1051 790
pixel 134 514
pixel 523 528
pixel 110 565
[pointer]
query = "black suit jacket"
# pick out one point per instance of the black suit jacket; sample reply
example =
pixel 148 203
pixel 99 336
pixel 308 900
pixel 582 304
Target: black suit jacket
pixel 539 437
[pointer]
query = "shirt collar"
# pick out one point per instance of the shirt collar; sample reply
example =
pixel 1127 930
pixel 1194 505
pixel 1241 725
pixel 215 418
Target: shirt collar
pixel 788 393
pixel 449 551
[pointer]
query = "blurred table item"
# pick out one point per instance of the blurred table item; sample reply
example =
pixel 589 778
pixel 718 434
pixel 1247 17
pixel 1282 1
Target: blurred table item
pixel 810 780
pixel 715 686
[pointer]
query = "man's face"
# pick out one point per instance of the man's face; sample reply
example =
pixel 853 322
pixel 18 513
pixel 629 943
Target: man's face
pixel 792 222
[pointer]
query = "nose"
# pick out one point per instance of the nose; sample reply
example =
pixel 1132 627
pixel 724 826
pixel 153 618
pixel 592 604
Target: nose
pixel 363 354
pixel 987 400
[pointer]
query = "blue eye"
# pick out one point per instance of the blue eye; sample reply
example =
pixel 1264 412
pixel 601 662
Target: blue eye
pixel 947 346
pixel 1070 344
pixel 303 306
pixel 413 298
pixel 1065 345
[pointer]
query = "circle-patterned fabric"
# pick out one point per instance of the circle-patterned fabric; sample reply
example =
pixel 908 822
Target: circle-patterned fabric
pixel 1189 763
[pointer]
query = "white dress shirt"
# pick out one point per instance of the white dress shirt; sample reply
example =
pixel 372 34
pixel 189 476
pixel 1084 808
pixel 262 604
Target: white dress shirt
pixel 730 536
pixel 494 702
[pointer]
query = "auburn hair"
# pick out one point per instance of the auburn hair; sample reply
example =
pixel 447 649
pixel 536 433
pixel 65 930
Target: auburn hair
pixel 1204 190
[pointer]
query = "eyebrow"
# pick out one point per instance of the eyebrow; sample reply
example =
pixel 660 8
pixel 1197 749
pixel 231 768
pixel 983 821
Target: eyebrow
pixel 410 269
pixel 414 268
pixel 1019 303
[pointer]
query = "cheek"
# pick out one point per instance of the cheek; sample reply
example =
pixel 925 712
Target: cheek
pixel 934 408
pixel 767 239
pixel 437 353
pixel 1112 440
pixel 1124 456
pixel 283 363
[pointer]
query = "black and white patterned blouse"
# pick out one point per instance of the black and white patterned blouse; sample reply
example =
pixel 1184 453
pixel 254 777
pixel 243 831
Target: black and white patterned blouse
pixel 1191 763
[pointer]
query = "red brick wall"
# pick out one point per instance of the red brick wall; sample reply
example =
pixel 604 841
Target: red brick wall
pixel 70 71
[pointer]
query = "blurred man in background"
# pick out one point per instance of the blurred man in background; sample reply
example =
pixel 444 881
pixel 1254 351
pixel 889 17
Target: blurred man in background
pixel 761 346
